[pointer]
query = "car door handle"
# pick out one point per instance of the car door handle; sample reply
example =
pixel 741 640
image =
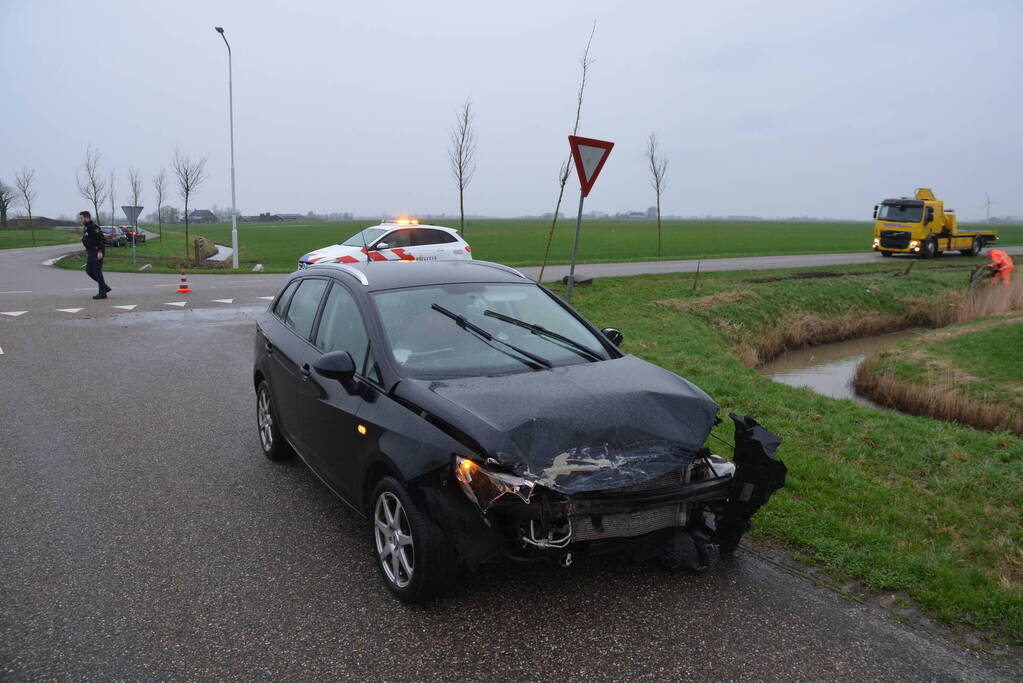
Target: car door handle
pixel 305 372
pixel 269 347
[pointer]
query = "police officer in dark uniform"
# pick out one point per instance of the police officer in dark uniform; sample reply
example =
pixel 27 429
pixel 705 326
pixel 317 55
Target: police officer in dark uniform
pixel 95 246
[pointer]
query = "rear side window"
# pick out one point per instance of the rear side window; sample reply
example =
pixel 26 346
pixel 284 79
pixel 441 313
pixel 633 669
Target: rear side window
pixel 427 236
pixel 342 329
pixel 398 238
pixel 282 303
pixel 304 303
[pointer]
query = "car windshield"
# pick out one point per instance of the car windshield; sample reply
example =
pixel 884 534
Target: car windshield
pixel 901 213
pixel 364 238
pixel 429 344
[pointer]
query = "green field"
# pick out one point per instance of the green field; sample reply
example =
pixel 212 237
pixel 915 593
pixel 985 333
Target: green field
pixel 278 246
pixel 16 239
pixel 899 503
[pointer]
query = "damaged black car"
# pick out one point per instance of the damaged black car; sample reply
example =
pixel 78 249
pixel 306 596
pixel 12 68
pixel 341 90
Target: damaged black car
pixel 472 416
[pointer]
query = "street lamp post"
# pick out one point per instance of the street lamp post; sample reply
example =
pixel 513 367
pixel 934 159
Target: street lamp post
pixel 230 100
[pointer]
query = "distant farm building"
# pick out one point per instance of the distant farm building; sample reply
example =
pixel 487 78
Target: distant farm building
pixel 203 216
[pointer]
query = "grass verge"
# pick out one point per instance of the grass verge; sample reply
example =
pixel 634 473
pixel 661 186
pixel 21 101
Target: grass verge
pixel 17 239
pixel 899 503
pixel 278 246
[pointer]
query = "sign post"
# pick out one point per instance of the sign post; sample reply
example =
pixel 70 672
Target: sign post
pixel 132 214
pixel 589 156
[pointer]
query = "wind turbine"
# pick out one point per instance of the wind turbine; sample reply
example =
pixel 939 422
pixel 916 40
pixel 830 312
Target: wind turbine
pixel 987 205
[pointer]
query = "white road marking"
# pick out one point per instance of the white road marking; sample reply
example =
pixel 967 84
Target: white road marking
pixel 268 298
pixel 1 351
pixel 223 301
pixel 13 314
pixel 171 284
pixel 175 303
pixel 69 310
pixel 127 307
pixel 20 291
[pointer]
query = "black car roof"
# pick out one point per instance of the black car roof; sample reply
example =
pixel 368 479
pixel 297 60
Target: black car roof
pixel 376 276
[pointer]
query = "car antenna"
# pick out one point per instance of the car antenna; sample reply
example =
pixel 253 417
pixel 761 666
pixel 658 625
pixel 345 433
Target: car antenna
pixel 365 247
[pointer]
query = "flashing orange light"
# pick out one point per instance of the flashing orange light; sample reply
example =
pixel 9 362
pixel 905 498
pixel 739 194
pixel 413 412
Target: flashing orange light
pixel 467 465
pixel 361 429
pixel 407 221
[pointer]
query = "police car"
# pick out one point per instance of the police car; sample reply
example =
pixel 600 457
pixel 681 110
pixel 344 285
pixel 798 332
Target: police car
pixel 403 239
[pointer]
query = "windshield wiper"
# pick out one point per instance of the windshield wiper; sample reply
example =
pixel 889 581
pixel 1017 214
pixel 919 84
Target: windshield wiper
pixel 537 361
pixel 581 349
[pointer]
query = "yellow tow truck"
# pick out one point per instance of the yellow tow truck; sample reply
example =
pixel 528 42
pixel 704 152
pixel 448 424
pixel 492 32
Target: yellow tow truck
pixel 922 226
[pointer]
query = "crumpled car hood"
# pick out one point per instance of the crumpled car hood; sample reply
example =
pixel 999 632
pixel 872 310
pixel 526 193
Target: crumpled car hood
pixel 577 428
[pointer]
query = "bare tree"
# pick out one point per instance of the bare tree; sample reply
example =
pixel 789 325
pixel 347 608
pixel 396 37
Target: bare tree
pixel 24 182
pixel 7 200
pixel 658 165
pixel 113 199
pixel 190 174
pixel 93 189
pixel 585 62
pixel 462 154
pixel 135 185
pixel 160 185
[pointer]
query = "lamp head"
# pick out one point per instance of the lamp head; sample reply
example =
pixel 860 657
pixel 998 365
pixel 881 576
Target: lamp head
pixel 220 29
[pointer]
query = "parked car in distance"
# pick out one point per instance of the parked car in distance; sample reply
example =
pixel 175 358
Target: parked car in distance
pixel 133 234
pixel 115 237
pixel 473 416
pixel 402 239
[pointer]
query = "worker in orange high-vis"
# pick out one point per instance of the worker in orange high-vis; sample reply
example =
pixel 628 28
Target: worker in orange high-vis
pixel 1001 266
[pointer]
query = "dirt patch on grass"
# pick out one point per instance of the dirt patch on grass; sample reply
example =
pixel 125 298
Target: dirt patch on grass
pixel 706 303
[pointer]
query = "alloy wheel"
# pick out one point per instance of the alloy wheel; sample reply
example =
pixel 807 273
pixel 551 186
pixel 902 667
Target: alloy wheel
pixel 265 421
pixel 393 539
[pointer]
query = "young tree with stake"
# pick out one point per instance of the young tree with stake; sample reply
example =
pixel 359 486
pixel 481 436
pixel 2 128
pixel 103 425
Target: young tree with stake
pixel 658 165
pixel 112 194
pixel 462 154
pixel 190 174
pixel 585 62
pixel 24 181
pixel 160 185
pixel 93 188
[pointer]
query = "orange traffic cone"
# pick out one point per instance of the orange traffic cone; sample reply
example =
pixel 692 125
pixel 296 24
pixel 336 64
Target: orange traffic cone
pixel 183 289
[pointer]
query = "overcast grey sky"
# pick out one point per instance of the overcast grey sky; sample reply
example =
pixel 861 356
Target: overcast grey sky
pixel 767 108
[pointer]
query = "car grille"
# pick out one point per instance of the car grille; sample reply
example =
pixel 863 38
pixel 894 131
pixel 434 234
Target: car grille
pixel 894 239
pixel 624 525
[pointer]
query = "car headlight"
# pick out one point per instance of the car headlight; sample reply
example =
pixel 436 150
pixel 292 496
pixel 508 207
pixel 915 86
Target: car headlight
pixel 877 242
pixel 484 487
pixel 914 244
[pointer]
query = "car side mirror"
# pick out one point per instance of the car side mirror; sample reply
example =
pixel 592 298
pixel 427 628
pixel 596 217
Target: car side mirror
pixel 930 214
pixel 336 365
pixel 875 211
pixel 614 335
pixel 381 245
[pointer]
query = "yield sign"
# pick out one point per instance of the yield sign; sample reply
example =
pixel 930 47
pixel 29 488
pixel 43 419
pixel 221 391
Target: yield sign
pixel 589 156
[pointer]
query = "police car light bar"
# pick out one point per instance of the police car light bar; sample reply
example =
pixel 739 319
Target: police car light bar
pixel 402 221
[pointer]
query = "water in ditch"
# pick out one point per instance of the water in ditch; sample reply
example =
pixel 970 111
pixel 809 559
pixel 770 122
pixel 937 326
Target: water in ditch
pixel 829 369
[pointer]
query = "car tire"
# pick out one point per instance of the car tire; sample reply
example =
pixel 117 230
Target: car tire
pixel 886 253
pixel 930 249
pixel 270 440
pixel 414 557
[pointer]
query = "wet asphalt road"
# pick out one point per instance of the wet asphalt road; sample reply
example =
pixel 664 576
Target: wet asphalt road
pixel 145 537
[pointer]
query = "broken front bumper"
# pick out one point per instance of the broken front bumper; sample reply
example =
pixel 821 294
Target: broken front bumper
pixel 709 501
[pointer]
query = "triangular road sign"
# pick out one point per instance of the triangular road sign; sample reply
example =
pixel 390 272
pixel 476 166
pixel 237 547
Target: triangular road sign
pixel 589 156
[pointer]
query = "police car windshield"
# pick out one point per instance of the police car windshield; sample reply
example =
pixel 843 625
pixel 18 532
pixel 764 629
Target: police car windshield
pixel 426 344
pixel 364 238
pixel 901 213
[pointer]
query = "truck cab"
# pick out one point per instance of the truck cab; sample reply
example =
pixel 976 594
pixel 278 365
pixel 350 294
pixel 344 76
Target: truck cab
pixel 922 226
